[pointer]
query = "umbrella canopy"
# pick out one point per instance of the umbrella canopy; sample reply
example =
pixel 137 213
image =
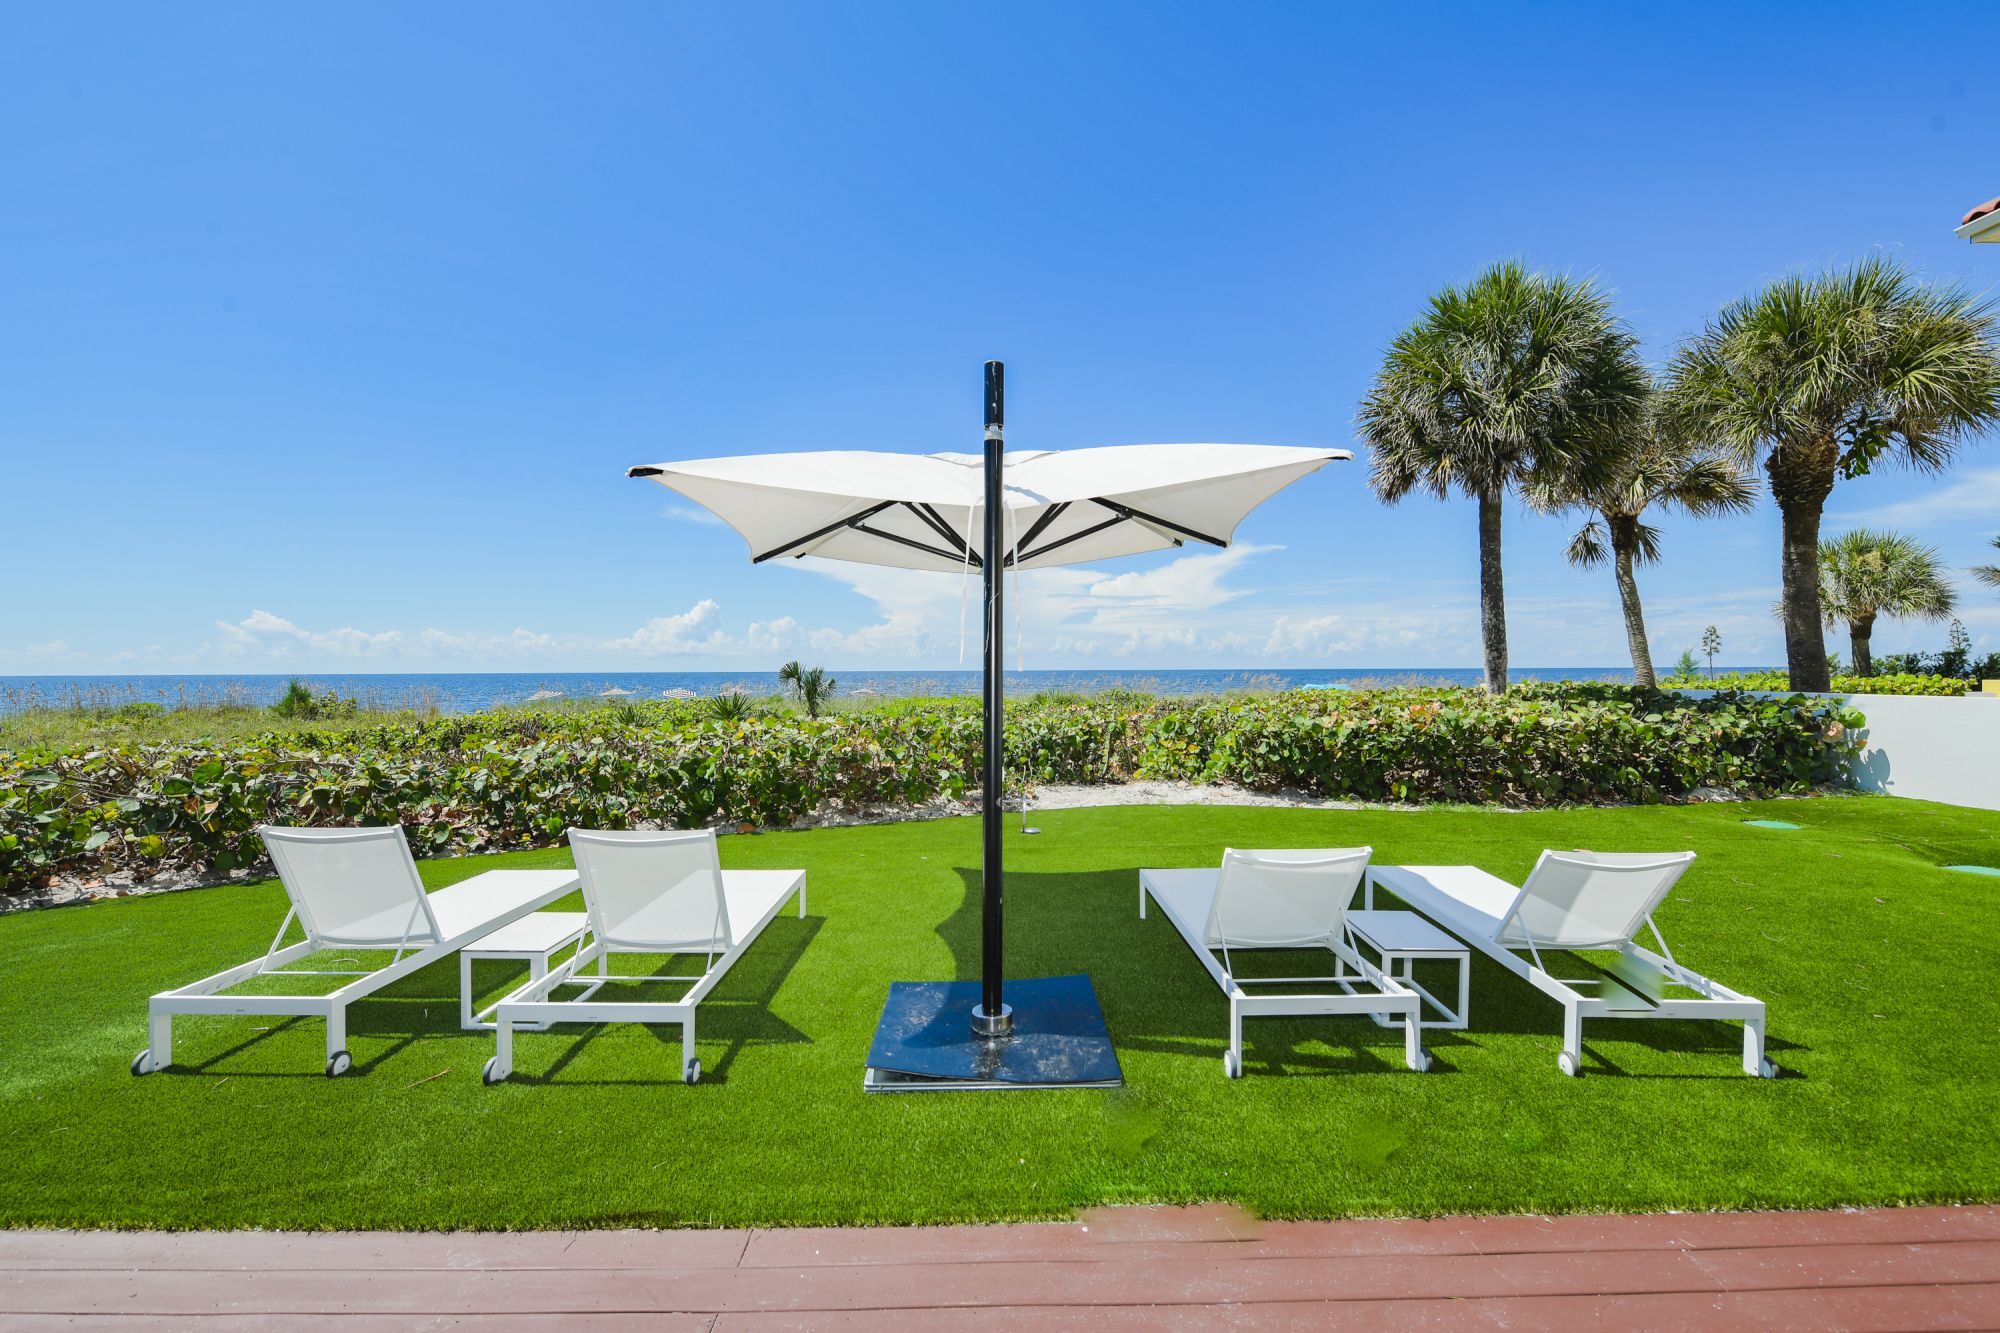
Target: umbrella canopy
pixel 927 511
pixel 994 512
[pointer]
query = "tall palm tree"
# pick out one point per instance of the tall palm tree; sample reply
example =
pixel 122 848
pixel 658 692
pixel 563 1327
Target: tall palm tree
pixel 1654 468
pixel 1822 377
pixel 1989 574
pixel 1866 574
pixel 1515 380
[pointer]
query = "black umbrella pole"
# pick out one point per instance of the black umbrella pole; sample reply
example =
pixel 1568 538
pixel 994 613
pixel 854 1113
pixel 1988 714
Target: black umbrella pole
pixel 993 1018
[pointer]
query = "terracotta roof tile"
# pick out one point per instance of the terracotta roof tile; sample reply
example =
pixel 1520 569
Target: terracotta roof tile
pixel 1981 210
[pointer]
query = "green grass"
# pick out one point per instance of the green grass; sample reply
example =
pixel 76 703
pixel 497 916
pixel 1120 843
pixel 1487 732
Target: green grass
pixel 1876 964
pixel 81 728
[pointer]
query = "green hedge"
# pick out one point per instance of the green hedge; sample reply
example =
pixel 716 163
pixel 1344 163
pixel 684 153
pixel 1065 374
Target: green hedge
pixel 1896 683
pixel 519 779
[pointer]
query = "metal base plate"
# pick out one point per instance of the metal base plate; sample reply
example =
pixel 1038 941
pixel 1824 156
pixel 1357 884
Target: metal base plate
pixel 925 1042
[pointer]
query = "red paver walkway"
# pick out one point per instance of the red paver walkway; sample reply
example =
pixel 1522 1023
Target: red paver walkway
pixel 1200 1267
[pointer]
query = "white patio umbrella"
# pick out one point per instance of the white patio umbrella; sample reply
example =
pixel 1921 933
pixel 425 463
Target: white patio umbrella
pixel 948 511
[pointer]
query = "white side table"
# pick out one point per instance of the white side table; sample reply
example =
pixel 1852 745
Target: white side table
pixel 1407 937
pixel 531 939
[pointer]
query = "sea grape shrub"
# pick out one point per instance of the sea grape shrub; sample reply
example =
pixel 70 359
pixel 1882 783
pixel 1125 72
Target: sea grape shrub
pixel 1887 682
pixel 522 777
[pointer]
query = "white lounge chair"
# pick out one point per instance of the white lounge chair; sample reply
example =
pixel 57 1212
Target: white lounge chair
pixel 652 893
pixel 1282 900
pixel 353 889
pixel 1579 901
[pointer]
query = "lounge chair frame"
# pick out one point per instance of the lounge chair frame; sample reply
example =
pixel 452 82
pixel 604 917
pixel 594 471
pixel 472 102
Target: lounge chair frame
pixel 420 944
pixel 534 1007
pixel 1387 999
pixel 1605 996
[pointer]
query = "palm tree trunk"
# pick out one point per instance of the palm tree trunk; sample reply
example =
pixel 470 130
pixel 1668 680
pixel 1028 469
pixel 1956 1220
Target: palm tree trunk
pixel 1859 631
pixel 1492 595
pixel 1624 547
pixel 1801 475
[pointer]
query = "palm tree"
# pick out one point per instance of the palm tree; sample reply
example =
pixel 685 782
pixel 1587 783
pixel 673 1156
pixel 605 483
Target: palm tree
pixel 1654 468
pixel 1988 574
pixel 811 686
pixel 1822 377
pixel 1513 381
pixel 1868 574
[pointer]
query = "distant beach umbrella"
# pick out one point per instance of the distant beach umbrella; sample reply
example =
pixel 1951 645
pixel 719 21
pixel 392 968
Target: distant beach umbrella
pixel 612 692
pixel 678 693
pixel 992 512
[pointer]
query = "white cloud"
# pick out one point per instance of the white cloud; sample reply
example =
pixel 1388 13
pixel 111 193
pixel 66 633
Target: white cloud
pixel 454 644
pixel 1191 583
pixel 693 514
pixel 261 633
pixel 1052 614
pixel 699 632
pixel 694 630
pixel 1973 494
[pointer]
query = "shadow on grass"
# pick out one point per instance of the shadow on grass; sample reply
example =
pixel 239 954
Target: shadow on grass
pixel 425 1005
pixel 737 1012
pixel 1157 996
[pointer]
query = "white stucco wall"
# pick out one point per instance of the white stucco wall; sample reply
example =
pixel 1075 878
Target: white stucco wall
pixel 1932 749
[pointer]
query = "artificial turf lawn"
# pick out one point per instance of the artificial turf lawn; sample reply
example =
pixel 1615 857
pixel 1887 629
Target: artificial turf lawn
pixel 1875 962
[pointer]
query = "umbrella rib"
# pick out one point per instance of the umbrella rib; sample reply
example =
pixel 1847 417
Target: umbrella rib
pixel 1035 529
pixel 1079 535
pixel 916 545
pixel 1153 520
pixel 937 524
pixel 815 535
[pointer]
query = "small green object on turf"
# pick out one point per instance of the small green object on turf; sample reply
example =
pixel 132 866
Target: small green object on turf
pixel 1978 870
pixel 1769 823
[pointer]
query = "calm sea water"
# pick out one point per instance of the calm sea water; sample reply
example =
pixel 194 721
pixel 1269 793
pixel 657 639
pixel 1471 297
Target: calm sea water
pixel 473 691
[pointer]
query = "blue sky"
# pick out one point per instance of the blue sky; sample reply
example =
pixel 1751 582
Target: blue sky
pixel 328 332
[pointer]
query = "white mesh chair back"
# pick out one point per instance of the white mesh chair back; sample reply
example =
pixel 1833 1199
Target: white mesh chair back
pixel 1284 899
pixel 1590 900
pixel 653 892
pixel 356 887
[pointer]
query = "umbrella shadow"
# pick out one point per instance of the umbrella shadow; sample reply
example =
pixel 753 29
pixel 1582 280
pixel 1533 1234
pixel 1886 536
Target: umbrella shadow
pixel 737 1012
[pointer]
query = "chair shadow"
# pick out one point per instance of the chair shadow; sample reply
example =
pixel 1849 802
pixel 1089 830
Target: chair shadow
pixel 388 1012
pixel 738 1010
pixel 425 1005
pixel 1155 995
pixel 1506 1004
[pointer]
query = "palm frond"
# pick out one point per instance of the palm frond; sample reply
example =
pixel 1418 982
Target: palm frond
pixel 1590 547
pixel 1988 574
pixel 1867 573
pixel 1514 377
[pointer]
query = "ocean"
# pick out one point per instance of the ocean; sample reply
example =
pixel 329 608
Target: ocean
pixel 469 692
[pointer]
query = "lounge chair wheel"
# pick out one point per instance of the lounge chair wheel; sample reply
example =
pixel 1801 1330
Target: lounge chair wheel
pixel 142 1063
pixel 692 1074
pixel 1567 1063
pixel 339 1064
pixel 1765 1069
pixel 491 1075
pixel 1232 1065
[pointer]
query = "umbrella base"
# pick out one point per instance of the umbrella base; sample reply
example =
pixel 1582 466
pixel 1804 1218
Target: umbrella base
pixel 925 1041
